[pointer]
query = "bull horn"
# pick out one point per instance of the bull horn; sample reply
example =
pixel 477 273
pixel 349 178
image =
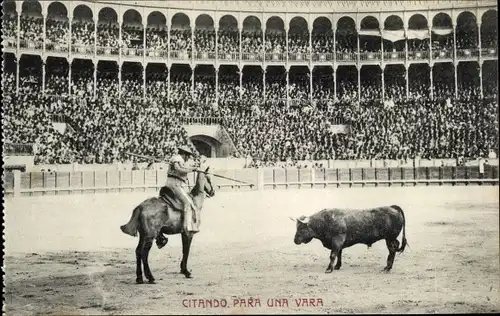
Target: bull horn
pixel 293 219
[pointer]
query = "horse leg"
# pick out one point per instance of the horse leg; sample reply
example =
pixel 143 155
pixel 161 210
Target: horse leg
pixel 392 245
pixel 138 257
pixel 186 245
pixel 148 242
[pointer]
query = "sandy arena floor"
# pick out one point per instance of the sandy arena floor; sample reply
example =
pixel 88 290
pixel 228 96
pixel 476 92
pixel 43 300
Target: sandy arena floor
pixel 67 255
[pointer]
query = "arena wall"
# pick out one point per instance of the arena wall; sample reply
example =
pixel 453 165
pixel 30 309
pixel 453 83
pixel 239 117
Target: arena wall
pixel 79 182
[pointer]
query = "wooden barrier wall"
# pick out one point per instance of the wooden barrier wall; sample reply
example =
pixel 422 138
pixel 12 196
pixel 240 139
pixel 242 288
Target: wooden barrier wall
pixel 58 183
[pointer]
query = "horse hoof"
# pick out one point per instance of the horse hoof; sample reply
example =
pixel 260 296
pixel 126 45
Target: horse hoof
pixel 151 282
pixel 328 270
pixel 139 281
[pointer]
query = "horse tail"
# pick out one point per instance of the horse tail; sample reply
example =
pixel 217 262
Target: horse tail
pixel 131 227
pixel 404 242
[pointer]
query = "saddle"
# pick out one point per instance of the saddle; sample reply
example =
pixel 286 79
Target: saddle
pixel 169 197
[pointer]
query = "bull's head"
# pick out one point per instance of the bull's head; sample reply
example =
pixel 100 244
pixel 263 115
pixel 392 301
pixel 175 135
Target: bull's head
pixel 304 232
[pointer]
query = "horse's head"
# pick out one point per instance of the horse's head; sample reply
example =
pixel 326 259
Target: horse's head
pixel 204 183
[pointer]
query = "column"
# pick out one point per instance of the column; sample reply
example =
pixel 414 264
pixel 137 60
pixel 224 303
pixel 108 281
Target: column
pixel 95 77
pixel 192 47
pixel 264 83
pixel 455 65
pixel 310 46
pixel 241 81
pixel 454 42
pixel 432 84
pixel 287 84
pixel 286 58
pixel 359 83
pixel 217 85
pixel 120 38
pixel 119 78
pixel 334 47
pixel 383 82
pixel 144 79
pixel 193 68
pixel 18 61
pixel 311 84
pixel 43 76
pixel 168 83
pixel 144 40
pixel 69 76
pixel 44 31
pixel 407 70
pixel 95 38
pixel 18 30
pixel 481 79
pixel 264 46
pixel 241 52
pixel 334 82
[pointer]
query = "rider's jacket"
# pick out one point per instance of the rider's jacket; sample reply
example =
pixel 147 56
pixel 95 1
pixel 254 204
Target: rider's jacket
pixel 175 175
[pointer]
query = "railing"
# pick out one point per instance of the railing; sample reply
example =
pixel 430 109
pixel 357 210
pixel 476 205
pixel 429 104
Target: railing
pixel 59 118
pixel 489 52
pixel 57 47
pixel 388 56
pixel 370 56
pixel 31 44
pixel 251 56
pixel 201 120
pixel 204 55
pixel 276 57
pixel 10 42
pixel 346 56
pixel 322 57
pixel 298 56
pixel 45 183
pixel 156 53
pixel 82 49
pixel 17 149
pixel 467 53
pixel 418 55
pixel 442 54
pixel 180 55
pixel 229 56
pixel 128 51
pixel 107 51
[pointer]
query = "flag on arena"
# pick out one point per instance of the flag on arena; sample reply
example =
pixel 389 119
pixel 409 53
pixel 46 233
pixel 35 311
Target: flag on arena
pixel 340 129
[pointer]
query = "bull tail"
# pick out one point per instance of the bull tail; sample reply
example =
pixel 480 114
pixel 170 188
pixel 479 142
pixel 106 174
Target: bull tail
pixel 132 226
pixel 404 242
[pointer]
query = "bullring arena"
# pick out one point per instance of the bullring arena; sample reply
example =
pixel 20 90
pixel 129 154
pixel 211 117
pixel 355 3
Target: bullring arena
pixel 66 255
pixel 312 104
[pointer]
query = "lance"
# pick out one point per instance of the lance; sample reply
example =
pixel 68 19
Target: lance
pixel 213 174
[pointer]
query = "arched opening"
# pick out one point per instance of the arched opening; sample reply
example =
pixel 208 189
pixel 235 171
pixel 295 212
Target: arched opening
pixel 347 83
pixel 490 79
pixel 180 37
pixel 275 38
pixel 31 25
pixel 346 36
pixel 157 81
pixel 394 34
pixel 298 38
pixel 468 80
pixel 298 88
pixel 157 35
pixel 229 38
pixel 251 39
pixel 132 33
pixel 395 82
pixel 204 92
pixel 323 83
pixel 204 148
pixel 107 32
pixel 132 80
pixel 82 77
pixel 276 84
pixel 56 76
pixel 82 30
pixel 369 35
pixel 9 74
pixel 442 36
pixel 444 80
pixel 204 37
pixel 30 74
pixel 467 31
pixel 229 86
pixel 489 30
pixel 252 83
pixel 107 80
pixel 322 38
pixel 371 83
pixel 57 28
pixel 418 33
pixel 9 23
pixel 419 80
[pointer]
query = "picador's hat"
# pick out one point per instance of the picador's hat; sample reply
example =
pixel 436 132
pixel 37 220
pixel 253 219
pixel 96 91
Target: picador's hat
pixel 185 149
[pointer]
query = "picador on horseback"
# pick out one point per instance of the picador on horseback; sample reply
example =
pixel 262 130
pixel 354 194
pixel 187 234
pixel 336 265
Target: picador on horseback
pixel 177 181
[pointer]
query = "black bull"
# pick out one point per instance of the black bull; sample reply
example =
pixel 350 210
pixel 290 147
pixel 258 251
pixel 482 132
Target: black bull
pixel 339 228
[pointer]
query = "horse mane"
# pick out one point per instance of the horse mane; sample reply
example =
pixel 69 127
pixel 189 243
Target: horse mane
pixel 197 187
